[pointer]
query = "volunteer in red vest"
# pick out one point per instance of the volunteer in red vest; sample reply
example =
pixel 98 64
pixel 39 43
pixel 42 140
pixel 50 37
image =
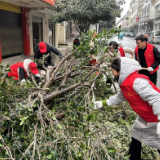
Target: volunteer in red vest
pixel 43 49
pixel 143 97
pixel 148 56
pixel 120 51
pixel 22 70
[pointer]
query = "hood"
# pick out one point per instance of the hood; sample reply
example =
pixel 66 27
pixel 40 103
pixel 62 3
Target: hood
pixel 26 65
pixel 128 66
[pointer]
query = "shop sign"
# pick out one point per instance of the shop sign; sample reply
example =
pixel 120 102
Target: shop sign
pixel 51 2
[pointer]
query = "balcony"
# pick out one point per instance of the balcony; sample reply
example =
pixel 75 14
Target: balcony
pixel 157 15
pixel 146 17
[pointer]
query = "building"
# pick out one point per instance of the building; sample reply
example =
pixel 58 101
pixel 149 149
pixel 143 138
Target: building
pixel 147 16
pixel 25 23
pixel 142 17
pixel 156 25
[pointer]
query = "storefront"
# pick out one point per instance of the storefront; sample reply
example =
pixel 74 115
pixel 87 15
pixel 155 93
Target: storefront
pixel 11 34
pixel 21 28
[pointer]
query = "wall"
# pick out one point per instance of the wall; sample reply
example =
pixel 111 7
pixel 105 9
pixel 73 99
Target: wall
pixel 61 33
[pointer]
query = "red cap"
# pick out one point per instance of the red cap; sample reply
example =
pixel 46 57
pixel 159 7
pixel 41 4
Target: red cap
pixel 42 47
pixel 33 68
pixel 93 61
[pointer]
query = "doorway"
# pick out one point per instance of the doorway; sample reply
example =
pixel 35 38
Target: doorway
pixel 37 33
pixel 51 28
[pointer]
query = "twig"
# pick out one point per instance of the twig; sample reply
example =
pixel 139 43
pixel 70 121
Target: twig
pixel 47 84
pixel 7 148
pixel 27 150
pixel 35 139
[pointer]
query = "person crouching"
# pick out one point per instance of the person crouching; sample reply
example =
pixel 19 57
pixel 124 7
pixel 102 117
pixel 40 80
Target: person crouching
pixel 22 70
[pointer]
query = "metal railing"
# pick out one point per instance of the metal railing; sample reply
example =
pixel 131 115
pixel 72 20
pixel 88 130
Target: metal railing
pixel 146 17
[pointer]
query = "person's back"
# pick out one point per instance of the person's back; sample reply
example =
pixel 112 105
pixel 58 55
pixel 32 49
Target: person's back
pixel 42 49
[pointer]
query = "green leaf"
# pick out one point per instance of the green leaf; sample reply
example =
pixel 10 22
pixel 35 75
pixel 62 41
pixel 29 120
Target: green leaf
pixel 54 118
pixel 21 122
pixel 53 110
pixel 127 157
pixel 50 156
pixel 91 117
pixel 59 126
pixel 29 109
pixel 111 150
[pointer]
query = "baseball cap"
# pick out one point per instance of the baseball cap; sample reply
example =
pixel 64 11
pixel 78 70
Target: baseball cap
pixel 42 47
pixel 93 61
pixel 33 68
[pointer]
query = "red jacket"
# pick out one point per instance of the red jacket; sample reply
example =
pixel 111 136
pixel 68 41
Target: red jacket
pixel 142 108
pixel 149 56
pixel 121 52
pixel 14 70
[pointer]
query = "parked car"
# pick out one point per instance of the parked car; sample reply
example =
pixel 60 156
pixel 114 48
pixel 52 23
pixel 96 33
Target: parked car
pixel 126 34
pixel 129 34
pixel 138 34
pixel 154 37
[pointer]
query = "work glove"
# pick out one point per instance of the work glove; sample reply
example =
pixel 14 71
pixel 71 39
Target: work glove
pixel 39 85
pixel 23 81
pixel 150 69
pixel 158 129
pixel 100 104
pixel 158 126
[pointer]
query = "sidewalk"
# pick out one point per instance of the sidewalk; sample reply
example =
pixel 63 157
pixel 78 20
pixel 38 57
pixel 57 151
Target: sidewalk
pixel 20 58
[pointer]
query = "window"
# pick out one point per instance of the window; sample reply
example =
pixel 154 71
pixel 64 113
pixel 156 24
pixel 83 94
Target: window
pixel 157 33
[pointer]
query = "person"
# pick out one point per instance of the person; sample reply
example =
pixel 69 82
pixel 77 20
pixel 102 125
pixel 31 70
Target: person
pixel 143 97
pixel 43 49
pixel 113 46
pixel 22 70
pixel 120 36
pixel 148 56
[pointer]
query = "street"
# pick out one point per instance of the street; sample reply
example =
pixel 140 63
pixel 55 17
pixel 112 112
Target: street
pixel 130 42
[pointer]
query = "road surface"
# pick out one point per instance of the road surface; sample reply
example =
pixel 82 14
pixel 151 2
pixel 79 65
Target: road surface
pixel 130 42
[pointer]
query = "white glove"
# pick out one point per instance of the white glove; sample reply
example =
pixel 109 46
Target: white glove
pixel 23 81
pixel 98 104
pixel 158 129
pixel 150 69
pixel 39 85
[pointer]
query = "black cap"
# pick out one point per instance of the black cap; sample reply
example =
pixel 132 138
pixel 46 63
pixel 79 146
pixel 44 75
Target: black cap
pixel 116 64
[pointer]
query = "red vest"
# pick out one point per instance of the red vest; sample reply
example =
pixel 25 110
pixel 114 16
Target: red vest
pixel 121 52
pixel 142 108
pixel 149 56
pixel 14 70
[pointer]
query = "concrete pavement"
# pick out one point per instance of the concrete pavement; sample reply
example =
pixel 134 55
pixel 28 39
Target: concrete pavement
pixel 20 58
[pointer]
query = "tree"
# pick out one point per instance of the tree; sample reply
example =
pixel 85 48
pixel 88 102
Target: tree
pixel 86 12
pixel 57 120
pixel 106 25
